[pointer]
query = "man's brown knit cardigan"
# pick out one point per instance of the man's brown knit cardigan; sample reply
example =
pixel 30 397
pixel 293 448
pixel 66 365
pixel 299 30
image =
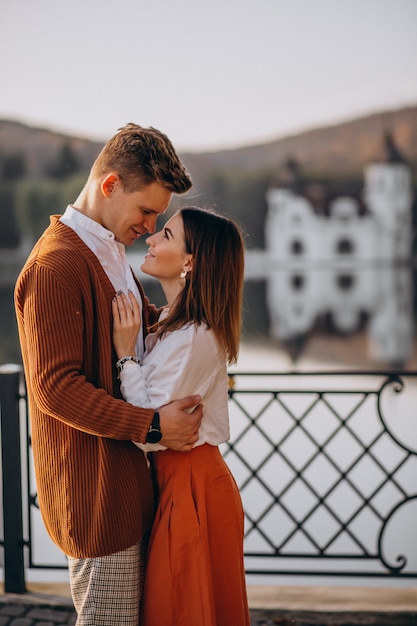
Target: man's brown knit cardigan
pixel 94 488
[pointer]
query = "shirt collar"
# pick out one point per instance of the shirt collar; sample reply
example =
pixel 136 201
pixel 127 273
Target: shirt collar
pixel 88 224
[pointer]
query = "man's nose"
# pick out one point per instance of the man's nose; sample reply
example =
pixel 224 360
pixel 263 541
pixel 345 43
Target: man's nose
pixel 150 224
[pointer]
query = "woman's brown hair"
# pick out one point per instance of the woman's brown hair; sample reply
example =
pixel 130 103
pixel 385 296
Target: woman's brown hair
pixel 214 286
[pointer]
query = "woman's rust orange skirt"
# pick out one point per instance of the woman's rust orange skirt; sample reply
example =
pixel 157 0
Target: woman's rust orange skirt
pixel 195 574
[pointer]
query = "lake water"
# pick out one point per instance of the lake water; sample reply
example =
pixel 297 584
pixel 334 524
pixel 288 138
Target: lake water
pixel 296 316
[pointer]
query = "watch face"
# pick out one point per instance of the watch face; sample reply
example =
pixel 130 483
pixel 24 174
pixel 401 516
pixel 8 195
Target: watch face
pixel 153 436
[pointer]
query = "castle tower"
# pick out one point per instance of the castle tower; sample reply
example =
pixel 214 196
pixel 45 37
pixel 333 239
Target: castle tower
pixel 388 196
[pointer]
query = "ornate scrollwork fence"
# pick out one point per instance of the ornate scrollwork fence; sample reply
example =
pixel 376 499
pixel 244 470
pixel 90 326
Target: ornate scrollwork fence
pixel 326 463
pixel 327 467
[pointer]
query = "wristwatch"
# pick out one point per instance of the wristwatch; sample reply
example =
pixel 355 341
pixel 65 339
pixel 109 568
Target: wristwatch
pixel 154 433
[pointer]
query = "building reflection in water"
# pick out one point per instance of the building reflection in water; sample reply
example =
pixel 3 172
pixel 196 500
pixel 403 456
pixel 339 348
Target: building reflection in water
pixel 296 298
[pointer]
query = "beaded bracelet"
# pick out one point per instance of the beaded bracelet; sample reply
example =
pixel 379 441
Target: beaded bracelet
pixel 121 362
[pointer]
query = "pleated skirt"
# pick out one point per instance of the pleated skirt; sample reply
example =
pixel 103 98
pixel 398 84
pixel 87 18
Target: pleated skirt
pixel 195 573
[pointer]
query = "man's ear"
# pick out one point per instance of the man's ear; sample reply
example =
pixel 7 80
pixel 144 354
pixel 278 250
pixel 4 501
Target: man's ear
pixel 109 184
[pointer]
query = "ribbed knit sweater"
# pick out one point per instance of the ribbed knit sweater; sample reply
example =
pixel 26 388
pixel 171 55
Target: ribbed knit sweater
pixel 94 489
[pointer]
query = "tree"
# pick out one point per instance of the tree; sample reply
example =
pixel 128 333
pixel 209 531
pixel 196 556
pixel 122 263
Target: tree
pixel 9 229
pixel 66 164
pixel 13 167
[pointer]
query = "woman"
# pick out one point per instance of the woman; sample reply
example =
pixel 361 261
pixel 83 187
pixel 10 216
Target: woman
pixel 195 573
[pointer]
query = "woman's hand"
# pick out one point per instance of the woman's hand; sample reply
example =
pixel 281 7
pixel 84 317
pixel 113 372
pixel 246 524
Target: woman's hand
pixel 126 323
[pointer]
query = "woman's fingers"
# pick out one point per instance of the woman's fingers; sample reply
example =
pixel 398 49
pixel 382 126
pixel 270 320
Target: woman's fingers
pixel 126 323
pixel 119 309
pixel 126 311
pixel 134 307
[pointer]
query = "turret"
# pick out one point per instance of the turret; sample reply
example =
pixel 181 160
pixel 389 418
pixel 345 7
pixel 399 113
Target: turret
pixel 388 196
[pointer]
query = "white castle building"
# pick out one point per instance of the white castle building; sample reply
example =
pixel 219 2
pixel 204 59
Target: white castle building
pixel 345 256
pixel 304 226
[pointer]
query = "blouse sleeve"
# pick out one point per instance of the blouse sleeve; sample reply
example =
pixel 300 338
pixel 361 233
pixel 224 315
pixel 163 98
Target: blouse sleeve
pixel 182 363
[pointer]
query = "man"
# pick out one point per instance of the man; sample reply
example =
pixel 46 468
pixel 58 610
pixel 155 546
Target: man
pixel 94 488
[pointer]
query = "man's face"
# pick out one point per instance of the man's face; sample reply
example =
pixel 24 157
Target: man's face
pixel 130 215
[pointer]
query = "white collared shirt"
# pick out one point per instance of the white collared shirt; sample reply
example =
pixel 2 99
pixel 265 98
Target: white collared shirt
pixel 110 253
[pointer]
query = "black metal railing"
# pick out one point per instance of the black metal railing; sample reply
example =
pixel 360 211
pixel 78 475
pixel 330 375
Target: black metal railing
pixel 326 463
pixel 12 542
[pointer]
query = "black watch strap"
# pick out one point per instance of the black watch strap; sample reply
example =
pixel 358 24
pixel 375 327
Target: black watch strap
pixel 154 433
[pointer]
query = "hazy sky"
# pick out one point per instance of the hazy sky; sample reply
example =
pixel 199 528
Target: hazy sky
pixel 209 73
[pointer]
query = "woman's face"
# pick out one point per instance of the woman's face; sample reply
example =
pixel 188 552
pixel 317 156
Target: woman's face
pixel 166 257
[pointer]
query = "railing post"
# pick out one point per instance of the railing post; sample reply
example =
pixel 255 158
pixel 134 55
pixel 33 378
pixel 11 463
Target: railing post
pixel 14 567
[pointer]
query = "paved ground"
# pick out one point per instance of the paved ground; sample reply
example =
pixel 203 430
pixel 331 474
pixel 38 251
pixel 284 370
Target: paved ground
pixel 16 613
pixel 33 615
pixel 270 606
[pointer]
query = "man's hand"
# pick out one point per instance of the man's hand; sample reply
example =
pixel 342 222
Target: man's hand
pixel 180 428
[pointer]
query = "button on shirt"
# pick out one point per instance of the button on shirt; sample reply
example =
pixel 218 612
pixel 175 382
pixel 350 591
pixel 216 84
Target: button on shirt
pixel 110 253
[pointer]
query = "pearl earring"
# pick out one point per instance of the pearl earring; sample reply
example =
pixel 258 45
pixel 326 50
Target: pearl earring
pixel 183 274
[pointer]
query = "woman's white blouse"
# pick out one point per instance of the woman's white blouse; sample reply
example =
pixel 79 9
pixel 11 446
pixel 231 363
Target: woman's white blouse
pixel 184 362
